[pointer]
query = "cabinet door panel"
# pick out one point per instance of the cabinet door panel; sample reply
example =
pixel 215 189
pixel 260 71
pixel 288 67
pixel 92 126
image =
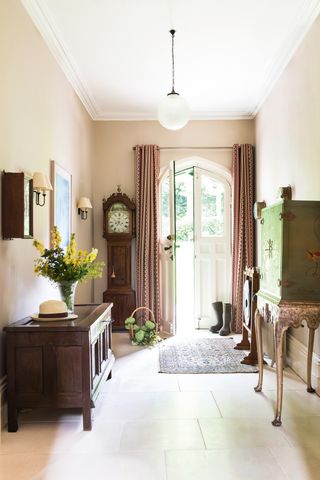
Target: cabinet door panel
pixel 29 370
pixel 68 380
pixel 271 257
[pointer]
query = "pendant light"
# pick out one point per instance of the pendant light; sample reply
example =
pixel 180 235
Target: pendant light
pixel 173 111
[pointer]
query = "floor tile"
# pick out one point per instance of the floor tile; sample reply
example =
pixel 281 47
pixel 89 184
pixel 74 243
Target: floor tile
pixel 299 463
pixel 235 403
pixel 116 466
pixel 237 433
pixel 299 404
pixel 162 434
pixel 24 466
pixel 227 464
pixel 147 383
pixel 158 405
pixel 244 403
pixel 303 431
pixel 61 438
pixel 205 382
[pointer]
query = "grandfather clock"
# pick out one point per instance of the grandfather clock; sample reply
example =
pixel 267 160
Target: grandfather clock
pixel 119 224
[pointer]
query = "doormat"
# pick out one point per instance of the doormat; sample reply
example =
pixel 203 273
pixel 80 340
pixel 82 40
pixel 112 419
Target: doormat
pixel 204 355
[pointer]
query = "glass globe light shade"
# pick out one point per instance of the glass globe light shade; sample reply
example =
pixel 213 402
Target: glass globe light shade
pixel 173 112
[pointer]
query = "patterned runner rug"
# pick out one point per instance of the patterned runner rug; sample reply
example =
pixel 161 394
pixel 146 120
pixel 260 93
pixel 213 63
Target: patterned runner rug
pixel 204 355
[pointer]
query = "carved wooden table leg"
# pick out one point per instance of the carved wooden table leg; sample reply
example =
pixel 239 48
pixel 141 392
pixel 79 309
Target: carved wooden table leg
pixel 280 329
pixel 258 320
pixel 309 362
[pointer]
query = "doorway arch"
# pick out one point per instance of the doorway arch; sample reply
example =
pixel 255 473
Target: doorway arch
pixel 201 250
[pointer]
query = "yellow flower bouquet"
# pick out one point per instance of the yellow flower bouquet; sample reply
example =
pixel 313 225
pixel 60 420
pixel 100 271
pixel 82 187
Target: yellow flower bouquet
pixel 66 267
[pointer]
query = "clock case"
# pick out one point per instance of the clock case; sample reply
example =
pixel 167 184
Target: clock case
pixel 119 289
pixel 107 204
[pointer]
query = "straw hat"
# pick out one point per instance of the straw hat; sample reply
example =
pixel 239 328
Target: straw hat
pixel 51 310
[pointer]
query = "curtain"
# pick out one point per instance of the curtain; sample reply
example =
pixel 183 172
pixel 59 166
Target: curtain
pixel 243 224
pixel 147 160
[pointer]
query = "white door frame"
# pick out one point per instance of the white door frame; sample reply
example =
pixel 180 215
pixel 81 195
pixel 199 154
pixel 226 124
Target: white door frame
pixel 221 173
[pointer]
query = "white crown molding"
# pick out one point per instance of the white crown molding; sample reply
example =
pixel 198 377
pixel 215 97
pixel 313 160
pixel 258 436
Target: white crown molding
pixel 282 59
pixel 49 31
pixel 131 117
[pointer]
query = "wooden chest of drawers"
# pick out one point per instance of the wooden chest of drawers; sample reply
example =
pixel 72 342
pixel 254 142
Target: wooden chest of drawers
pixel 59 364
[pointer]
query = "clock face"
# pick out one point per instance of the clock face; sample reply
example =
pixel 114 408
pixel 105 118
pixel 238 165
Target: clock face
pixel 119 219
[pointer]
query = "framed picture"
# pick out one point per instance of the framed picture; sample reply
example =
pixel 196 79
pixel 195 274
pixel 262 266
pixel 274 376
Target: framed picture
pixel 61 201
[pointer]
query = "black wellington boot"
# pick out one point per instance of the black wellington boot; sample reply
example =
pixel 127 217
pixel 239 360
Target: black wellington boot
pixel 217 313
pixel 227 317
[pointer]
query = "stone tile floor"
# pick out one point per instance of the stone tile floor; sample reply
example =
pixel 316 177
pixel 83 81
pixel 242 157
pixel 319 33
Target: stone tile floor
pixel 152 426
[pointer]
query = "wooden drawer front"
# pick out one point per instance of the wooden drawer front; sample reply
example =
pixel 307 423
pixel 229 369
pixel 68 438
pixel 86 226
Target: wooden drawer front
pixel 35 338
pixel 29 370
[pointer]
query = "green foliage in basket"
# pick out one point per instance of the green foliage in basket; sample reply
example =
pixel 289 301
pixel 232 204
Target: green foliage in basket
pixel 144 335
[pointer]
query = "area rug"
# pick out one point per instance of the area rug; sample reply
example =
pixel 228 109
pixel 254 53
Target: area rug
pixel 204 355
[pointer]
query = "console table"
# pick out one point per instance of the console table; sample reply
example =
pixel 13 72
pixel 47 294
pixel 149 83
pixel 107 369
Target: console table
pixel 289 290
pixel 284 315
pixel 59 364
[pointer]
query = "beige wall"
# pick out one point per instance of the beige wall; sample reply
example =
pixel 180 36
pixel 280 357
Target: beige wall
pixel 287 132
pixel 114 159
pixel 41 118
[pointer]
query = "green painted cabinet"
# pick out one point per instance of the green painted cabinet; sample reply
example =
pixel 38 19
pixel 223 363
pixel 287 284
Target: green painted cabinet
pixel 290 251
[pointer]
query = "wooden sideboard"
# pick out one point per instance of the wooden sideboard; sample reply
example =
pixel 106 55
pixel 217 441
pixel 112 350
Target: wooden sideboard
pixel 59 364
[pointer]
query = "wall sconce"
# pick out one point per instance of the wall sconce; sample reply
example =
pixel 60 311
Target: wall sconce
pixel 41 184
pixel 83 206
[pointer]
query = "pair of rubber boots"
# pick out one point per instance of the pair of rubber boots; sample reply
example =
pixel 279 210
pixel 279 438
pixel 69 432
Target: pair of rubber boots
pixel 222 313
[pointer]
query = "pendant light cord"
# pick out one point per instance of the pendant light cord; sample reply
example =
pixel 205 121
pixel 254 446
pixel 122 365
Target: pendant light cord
pixel 172 57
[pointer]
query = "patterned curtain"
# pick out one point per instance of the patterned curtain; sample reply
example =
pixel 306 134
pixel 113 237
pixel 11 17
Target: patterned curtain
pixel 147 161
pixel 243 224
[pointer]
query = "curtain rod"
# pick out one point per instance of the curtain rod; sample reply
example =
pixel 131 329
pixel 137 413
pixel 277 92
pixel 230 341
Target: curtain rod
pixel 192 148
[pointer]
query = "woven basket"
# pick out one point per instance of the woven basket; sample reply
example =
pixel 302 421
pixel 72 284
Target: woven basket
pixel 131 331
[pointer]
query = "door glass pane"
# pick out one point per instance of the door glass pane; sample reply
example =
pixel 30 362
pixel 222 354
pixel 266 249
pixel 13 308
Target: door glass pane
pixel 165 208
pixel 184 205
pixel 212 207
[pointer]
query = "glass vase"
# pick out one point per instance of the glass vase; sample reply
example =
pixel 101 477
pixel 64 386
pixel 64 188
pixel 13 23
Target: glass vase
pixel 67 290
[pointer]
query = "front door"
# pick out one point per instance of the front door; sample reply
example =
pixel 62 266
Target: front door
pixel 195 247
pixel 212 244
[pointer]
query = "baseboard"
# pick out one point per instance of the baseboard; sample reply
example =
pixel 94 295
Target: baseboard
pixel 297 354
pixel 3 402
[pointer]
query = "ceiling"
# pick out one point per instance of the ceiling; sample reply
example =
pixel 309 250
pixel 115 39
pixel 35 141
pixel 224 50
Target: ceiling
pixel 117 53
